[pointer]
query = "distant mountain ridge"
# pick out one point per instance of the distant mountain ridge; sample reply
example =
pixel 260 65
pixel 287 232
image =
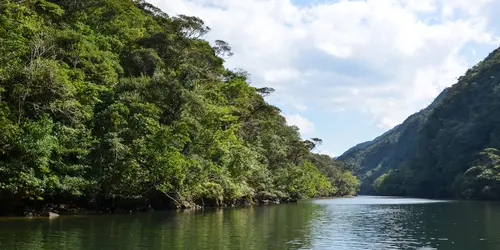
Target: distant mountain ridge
pixel 437 151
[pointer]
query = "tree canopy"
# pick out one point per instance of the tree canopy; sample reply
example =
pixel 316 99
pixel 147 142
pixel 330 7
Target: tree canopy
pixel 108 102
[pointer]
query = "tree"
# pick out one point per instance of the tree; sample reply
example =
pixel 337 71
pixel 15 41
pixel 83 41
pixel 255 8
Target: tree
pixel 113 104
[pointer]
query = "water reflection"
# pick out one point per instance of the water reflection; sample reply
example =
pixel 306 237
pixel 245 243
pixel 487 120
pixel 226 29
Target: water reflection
pixel 270 227
pixel 357 223
pixel 389 223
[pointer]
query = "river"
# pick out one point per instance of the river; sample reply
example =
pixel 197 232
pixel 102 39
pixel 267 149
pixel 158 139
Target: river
pixel 363 222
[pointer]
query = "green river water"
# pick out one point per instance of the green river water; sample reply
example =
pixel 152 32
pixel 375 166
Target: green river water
pixel 363 222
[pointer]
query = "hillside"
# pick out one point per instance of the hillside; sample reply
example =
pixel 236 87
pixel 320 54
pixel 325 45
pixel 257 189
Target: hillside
pixel 448 149
pixel 113 104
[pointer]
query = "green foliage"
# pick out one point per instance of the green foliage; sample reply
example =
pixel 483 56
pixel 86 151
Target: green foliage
pixel 109 101
pixel 482 179
pixel 436 152
pixel 303 181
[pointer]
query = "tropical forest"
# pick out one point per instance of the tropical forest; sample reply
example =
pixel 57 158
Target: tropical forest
pixel 131 125
pixel 112 105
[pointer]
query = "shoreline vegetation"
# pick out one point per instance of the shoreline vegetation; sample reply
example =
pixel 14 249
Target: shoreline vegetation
pixel 112 105
pixel 52 211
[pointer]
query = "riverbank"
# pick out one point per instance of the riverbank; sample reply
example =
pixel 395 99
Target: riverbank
pixel 51 210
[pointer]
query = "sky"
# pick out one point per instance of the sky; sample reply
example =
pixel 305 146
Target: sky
pixel 347 71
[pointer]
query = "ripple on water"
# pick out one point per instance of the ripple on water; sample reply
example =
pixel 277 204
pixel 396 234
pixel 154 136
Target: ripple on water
pixel 340 224
pixel 390 223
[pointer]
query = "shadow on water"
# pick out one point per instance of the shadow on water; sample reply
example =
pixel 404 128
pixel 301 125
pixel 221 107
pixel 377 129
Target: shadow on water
pixel 354 223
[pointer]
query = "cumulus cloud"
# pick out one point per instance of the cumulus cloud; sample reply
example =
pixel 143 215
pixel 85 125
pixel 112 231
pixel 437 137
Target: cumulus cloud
pixel 325 152
pixel 305 126
pixel 388 58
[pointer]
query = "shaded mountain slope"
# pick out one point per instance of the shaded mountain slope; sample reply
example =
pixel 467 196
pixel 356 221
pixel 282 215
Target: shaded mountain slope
pixel 446 149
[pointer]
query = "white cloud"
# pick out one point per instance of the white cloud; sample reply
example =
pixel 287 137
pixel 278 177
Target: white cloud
pixel 305 126
pixel 276 76
pixel 300 106
pixel 323 151
pixel 385 57
pixel 422 5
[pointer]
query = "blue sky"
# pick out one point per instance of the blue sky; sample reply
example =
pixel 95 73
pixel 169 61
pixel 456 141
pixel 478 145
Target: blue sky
pixel 347 71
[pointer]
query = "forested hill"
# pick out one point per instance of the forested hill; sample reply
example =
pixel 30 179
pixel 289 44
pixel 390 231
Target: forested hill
pixel 449 149
pixel 108 104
